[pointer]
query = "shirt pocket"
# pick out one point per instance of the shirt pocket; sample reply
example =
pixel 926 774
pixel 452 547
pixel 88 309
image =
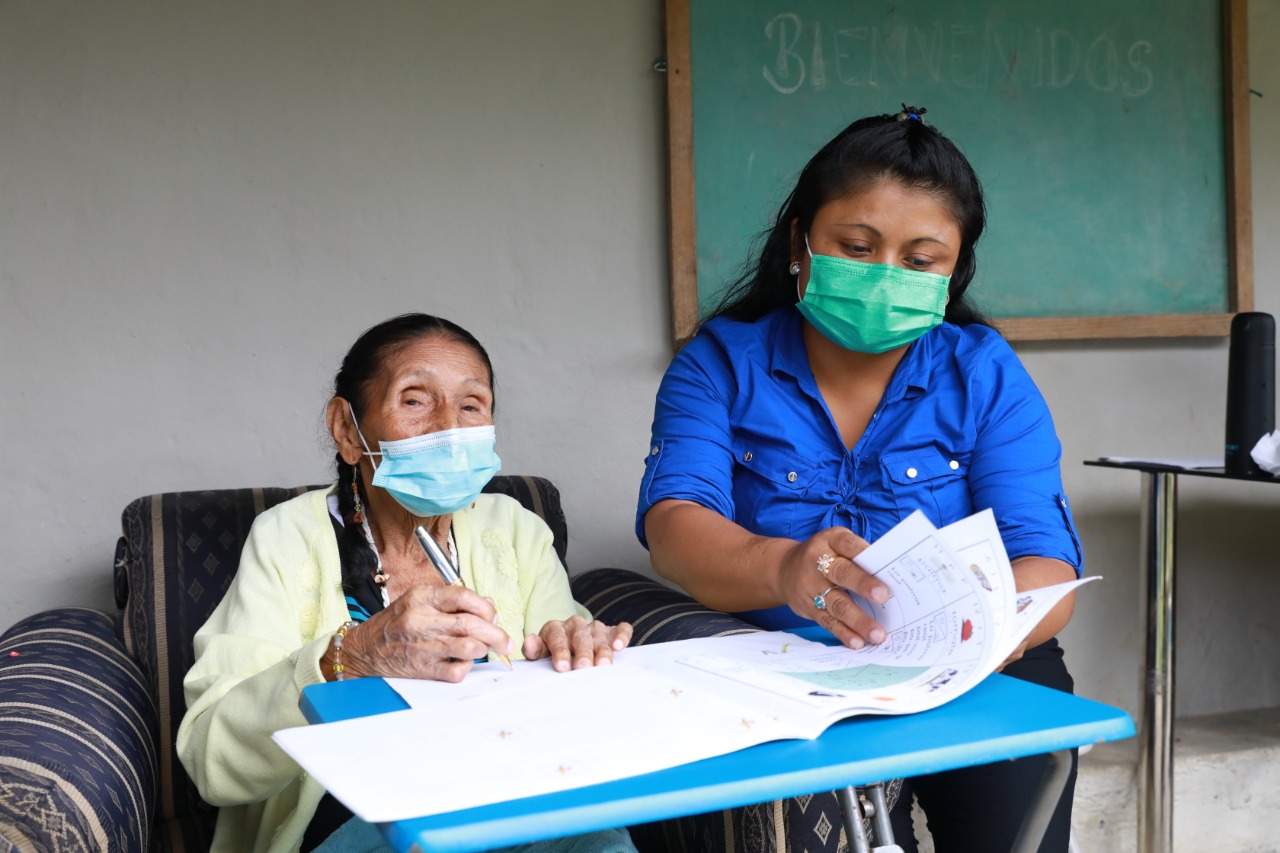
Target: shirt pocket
pixel 768 484
pixel 930 480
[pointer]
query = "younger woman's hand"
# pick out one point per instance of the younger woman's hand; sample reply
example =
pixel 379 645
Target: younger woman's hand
pixel 576 643
pixel 819 571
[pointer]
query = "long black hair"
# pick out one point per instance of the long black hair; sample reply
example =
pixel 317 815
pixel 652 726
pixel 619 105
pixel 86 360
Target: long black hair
pixel 895 147
pixel 363 363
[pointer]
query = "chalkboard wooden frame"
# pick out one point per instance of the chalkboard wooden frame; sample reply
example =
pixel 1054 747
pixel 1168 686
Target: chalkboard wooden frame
pixel 683 236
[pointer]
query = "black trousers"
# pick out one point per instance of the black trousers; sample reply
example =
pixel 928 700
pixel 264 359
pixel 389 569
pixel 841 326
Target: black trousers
pixel 980 809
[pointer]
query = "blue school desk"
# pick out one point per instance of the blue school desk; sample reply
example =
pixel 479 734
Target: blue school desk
pixel 999 719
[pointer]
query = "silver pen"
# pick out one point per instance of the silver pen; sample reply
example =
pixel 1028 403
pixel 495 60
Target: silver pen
pixel 447 571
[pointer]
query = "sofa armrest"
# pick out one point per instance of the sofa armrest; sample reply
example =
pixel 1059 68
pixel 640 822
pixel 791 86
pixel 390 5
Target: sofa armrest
pixel 657 612
pixel 77 737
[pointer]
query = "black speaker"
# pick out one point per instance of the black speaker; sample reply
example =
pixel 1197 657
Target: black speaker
pixel 1251 388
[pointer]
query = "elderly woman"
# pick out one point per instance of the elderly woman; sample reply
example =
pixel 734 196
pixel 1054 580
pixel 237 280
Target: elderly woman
pixel 334 584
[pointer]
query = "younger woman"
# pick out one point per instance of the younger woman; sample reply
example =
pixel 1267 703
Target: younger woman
pixel 844 382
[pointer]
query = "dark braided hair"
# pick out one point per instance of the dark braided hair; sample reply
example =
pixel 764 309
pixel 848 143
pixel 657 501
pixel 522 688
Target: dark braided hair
pixel 359 369
pixel 897 147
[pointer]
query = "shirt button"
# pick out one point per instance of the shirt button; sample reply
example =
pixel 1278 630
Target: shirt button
pixel 654 451
pixel 911 472
pixel 792 477
pixel 955 466
pixel 746 457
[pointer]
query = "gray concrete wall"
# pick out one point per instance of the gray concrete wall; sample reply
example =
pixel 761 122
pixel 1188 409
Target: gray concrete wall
pixel 201 205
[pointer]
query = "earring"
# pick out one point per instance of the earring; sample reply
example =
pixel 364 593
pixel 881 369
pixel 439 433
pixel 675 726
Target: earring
pixel 795 268
pixel 358 515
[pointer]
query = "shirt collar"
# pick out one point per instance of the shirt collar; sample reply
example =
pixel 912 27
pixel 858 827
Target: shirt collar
pixel 787 354
pixel 789 357
pixel 911 379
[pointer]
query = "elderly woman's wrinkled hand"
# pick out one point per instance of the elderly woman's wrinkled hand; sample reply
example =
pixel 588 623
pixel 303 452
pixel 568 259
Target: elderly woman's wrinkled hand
pixel 576 643
pixel 432 632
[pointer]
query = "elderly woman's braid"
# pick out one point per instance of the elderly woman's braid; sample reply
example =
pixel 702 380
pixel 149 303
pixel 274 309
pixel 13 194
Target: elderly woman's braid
pixel 358 559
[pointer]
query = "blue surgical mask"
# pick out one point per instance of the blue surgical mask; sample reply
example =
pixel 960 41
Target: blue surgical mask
pixel 438 473
pixel 871 308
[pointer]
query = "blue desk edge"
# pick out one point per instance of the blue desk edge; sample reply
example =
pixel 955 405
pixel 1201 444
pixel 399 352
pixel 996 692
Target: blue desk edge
pixel 839 758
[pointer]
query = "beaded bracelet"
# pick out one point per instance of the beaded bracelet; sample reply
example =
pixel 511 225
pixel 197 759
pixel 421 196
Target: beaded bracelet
pixel 338 637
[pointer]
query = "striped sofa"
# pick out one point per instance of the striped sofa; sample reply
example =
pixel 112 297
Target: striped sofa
pixel 90 701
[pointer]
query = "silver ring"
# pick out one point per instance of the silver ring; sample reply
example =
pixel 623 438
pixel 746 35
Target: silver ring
pixel 820 600
pixel 824 563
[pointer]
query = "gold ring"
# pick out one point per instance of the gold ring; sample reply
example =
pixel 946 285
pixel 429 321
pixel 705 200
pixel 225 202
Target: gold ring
pixel 824 563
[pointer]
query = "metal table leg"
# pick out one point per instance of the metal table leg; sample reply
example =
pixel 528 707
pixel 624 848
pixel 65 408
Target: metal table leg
pixel 852 813
pixel 853 808
pixel 1155 766
pixel 1056 773
pixel 880 815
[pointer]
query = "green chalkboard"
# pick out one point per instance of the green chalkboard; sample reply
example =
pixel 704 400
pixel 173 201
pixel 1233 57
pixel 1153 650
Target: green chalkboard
pixel 1104 131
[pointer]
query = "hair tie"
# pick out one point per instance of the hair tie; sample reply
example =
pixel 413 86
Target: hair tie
pixel 911 113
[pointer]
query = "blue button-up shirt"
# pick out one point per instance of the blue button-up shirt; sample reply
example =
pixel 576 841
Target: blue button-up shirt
pixel 741 428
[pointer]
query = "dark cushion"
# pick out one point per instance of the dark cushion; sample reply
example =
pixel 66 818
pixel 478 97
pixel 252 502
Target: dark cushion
pixel 657 612
pixel 77 737
pixel 177 556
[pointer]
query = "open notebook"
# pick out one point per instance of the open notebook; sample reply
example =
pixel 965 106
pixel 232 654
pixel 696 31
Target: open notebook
pixel 501 735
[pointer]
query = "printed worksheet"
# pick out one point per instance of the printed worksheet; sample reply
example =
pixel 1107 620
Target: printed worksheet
pixel 953 618
pixel 564 731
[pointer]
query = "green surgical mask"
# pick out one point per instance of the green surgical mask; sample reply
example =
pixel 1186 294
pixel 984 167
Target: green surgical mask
pixel 871 308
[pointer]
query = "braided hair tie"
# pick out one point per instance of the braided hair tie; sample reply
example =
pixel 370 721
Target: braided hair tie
pixel 913 113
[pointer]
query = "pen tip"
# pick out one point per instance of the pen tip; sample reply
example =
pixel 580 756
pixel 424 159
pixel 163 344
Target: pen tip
pixel 506 661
